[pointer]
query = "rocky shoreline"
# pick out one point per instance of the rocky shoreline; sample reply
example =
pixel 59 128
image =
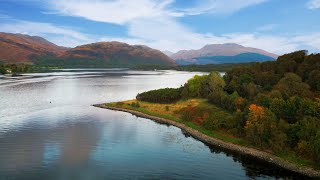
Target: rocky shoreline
pixel 225 145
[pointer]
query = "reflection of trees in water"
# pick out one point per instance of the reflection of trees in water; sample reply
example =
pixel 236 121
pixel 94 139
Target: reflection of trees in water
pixel 174 136
pixel 253 166
pixel 25 150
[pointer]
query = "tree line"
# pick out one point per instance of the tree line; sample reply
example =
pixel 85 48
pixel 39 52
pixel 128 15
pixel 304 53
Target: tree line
pixel 167 95
pixel 14 69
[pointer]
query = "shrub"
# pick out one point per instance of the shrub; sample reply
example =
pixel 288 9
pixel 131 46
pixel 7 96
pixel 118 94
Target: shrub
pixel 303 148
pixel 310 108
pixel 167 95
pixel 119 103
pixel 135 104
pixel 240 122
pixel 223 100
pixel 188 113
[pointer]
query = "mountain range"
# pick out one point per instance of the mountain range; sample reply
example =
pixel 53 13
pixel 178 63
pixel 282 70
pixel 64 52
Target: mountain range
pixel 19 48
pixel 15 48
pixel 222 53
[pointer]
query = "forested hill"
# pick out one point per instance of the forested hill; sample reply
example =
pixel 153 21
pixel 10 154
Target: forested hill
pixel 301 72
pixel 275 105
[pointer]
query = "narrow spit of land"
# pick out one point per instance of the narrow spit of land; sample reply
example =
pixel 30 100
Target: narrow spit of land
pixel 167 113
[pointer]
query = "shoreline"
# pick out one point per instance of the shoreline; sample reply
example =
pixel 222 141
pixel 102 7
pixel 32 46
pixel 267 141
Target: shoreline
pixel 264 156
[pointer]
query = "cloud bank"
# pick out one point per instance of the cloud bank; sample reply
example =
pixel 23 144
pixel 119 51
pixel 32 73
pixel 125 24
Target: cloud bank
pixel 313 4
pixel 156 23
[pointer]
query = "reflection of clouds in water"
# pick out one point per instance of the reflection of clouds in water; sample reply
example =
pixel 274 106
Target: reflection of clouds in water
pixel 51 153
pixel 78 142
pixel 42 143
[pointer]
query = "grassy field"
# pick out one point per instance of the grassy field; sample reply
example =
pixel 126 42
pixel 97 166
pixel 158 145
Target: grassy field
pixel 176 111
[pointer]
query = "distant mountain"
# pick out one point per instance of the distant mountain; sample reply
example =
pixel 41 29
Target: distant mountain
pixel 240 58
pixel 119 53
pixel 168 53
pixel 222 53
pixel 17 48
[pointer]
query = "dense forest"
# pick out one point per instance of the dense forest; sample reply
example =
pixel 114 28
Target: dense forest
pixel 274 105
pixel 167 95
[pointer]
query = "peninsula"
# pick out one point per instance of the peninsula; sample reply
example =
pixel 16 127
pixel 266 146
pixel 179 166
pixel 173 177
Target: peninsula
pixel 269 110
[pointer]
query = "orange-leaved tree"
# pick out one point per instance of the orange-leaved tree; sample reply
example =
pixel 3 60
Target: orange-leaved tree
pixel 263 129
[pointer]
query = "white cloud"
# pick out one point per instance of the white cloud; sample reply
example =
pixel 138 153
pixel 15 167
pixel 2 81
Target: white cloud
pixel 313 4
pixel 274 44
pixel 111 11
pixel 220 6
pixel 63 36
pixel 124 11
pixel 312 40
pixel 151 22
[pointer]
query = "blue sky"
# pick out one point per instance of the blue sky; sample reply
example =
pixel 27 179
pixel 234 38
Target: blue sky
pixel 278 26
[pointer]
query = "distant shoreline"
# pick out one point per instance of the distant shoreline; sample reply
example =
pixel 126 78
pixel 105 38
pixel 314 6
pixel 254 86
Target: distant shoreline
pixel 225 145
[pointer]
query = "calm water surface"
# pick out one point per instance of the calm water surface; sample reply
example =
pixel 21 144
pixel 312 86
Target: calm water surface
pixel 49 130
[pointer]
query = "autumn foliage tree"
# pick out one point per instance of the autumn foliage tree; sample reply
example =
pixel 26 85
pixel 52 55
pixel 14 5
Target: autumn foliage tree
pixel 256 130
pixel 262 128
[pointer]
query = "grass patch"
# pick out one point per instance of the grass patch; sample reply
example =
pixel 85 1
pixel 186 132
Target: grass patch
pixel 172 112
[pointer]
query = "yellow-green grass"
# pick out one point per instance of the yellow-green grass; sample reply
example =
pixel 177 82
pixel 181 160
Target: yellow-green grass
pixel 171 111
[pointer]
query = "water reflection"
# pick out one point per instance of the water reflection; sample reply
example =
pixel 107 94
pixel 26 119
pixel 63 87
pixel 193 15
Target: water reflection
pixel 69 139
pixel 38 144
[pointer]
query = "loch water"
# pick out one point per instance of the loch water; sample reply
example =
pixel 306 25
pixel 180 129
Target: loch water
pixel 50 130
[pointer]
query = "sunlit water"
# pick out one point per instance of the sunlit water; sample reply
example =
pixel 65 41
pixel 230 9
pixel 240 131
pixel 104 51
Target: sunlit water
pixel 49 130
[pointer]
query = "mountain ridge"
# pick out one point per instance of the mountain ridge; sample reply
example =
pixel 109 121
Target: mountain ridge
pixel 122 52
pixel 227 49
pixel 20 48
pixel 15 48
